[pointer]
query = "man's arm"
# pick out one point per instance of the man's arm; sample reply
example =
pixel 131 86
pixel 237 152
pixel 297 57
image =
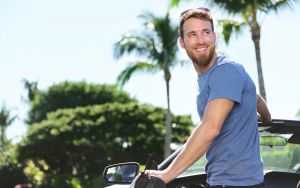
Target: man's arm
pixel 262 109
pixel 201 138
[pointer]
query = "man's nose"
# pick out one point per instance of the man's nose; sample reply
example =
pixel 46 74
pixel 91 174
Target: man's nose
pixel 200 39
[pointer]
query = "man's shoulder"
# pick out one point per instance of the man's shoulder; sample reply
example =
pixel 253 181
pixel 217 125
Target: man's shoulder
pixel 226 60
pixel 225 63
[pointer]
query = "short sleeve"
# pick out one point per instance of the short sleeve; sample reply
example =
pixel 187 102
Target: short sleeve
pixel 226 82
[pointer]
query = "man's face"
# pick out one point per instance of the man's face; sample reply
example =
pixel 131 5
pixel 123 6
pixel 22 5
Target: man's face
pixel 198 41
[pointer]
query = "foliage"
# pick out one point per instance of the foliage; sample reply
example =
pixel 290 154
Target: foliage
pixel 11 172
pixel 157 45
pixel 32 89
pixel 11 175
pixel 35 172
pixel 81 141
pixel 5 121
pixel 229 27
pixel 72 94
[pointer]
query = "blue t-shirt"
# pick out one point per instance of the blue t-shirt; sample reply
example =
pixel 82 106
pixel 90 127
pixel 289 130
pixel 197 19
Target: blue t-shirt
pixel 234 156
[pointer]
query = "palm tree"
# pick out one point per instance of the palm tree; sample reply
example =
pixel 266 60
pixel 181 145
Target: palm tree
pixel 158 45
pixel 5 121
pixel 31 88
pixel 252 13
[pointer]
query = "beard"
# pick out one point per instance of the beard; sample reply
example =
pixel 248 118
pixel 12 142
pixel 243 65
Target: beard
pixel 201 60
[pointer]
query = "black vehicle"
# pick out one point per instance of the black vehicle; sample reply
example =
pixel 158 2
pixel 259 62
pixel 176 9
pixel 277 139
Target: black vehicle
pixel 280 151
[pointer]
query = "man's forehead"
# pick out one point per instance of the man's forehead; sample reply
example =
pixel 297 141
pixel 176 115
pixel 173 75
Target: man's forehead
pixel 196 24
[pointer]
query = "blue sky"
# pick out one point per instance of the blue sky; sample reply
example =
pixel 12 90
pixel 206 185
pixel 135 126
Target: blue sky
pixel 56 40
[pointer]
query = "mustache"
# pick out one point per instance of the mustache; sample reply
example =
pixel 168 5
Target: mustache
pixel 200 45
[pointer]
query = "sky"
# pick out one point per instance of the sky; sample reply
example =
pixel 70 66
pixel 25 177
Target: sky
pixel 51 41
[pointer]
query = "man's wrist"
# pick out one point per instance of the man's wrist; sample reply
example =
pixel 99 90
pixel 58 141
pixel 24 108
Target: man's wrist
pixel 167 176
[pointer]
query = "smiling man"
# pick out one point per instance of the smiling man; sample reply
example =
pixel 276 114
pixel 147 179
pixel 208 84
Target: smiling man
pixel 227 104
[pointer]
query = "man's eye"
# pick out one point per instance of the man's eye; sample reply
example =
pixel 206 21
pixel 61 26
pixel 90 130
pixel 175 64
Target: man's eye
pixel 191 35
pixel 207 32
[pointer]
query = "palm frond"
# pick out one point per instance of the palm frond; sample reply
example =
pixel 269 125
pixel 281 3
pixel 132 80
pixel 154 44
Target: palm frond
pixel 135 67
pixel 5 117
pixel 12 119
pixel 152 45
pixel 229 27
pixel 174 3
pixel 131 44
pixel 231 6
pixel 277 5
pixel 167 36
pixel 146 17
pixel 157 43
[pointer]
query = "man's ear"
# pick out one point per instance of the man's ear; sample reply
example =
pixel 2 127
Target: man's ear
pixel 181 42
pixel 215 37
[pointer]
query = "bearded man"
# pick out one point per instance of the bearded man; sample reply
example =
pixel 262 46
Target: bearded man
pixel 228 106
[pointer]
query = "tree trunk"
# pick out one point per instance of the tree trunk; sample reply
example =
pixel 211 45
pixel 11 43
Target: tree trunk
pixel 255 30
pixel 168 128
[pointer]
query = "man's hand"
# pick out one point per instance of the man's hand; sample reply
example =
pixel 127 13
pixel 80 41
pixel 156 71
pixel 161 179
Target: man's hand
pixel 158 173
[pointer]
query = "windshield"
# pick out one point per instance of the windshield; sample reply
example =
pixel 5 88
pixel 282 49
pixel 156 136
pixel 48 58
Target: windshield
pixel 281 158
pixel 196 168
pixel 285 158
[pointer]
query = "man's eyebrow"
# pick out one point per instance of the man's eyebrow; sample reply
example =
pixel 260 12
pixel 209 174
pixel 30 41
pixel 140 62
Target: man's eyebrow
pixel 207 29
pixel 189 32
pixel 193 31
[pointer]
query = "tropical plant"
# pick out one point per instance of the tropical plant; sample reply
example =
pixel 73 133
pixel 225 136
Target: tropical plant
pixel 31 88
pixel 70 95
pixel 11 171
pixel 252 13
pixel 12 175
pixel 79 142
pixel 158 45
pixel 5 121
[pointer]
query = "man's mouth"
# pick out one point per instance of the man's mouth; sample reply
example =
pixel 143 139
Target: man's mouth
pixel 201 49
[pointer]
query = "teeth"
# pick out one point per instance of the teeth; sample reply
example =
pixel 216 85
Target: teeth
pixel 201 49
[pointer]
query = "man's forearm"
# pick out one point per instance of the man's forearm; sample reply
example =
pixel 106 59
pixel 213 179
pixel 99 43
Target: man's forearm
pixel 194 148
pixel 200 140
pixel 262 109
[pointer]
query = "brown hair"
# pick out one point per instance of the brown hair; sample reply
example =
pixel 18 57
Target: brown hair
pixel 201 13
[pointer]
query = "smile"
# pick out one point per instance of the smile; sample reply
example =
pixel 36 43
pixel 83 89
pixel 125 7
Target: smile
pixel 201 49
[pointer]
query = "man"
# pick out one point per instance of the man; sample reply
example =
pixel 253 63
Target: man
pixel 228 132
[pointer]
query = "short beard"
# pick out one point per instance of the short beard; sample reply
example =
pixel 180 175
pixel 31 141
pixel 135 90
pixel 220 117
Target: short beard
pixel 202 61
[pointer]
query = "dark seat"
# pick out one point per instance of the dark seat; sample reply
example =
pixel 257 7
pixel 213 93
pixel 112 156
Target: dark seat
pixel 281 180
